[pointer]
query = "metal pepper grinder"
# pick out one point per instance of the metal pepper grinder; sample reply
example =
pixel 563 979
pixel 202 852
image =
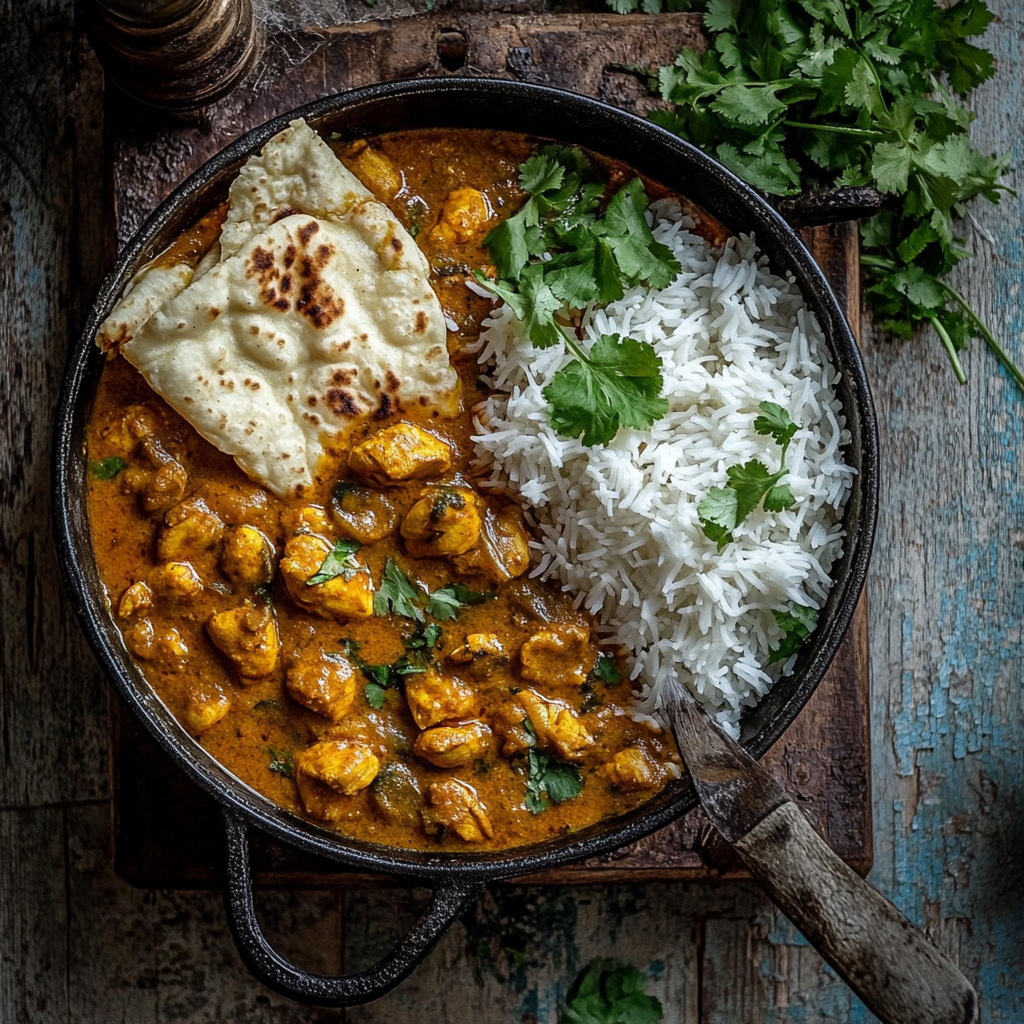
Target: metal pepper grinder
pixel 175 54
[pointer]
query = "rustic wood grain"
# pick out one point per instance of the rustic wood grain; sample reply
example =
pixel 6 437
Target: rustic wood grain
pixel 946 603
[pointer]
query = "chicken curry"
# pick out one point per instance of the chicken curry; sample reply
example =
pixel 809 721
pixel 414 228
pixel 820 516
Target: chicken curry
pixel 371 653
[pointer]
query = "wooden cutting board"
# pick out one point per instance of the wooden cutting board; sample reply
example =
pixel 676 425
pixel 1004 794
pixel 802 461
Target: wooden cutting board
pixel 166 831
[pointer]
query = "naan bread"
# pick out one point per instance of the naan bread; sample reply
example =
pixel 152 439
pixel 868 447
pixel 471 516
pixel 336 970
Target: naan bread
pixel 316 313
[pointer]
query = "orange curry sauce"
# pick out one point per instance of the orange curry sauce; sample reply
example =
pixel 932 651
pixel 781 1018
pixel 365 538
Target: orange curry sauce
pixel 510 680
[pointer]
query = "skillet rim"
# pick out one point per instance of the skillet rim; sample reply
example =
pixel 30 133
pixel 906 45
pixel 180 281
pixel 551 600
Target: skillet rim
pixel 71 523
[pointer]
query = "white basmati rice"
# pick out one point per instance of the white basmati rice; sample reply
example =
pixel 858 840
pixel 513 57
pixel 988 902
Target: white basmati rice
pixel 617 523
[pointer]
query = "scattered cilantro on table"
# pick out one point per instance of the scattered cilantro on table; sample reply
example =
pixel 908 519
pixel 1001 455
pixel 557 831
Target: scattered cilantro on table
pixel 724 508
pixel 340 562
pixel 558 254
pixel 446 602
pixel 803 95
pixel 606 992
pixel 549 781
pixel 108 468
pixel 797 621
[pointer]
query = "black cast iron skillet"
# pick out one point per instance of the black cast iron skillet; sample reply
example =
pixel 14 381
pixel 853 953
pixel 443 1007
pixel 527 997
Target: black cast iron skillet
pixel 456 879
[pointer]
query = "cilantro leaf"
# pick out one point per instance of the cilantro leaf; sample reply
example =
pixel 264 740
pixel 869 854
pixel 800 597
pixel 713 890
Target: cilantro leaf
pixel 722 509
pixel 617 386
pixel 424 638
pixel 108 468
pixel 446 602
pixel 549 781
pixel 396 594
pixel 282 762
pixel 606 670
pixel 796 622
pixel 750 482
pixel 375 695
pixel 774 420
pixel 606 992
pixel 340 562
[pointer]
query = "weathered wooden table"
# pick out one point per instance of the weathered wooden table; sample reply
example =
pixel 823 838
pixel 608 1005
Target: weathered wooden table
pixel 945 597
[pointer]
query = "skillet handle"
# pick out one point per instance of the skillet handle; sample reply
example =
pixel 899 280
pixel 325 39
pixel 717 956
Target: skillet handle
pixel 451 898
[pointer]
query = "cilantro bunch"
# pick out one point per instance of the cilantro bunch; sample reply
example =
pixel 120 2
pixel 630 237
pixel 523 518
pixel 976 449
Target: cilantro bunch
pixel 801 95
pixel 558 254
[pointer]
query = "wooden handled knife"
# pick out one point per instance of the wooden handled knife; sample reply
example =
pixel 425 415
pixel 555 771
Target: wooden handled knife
pixel 900 976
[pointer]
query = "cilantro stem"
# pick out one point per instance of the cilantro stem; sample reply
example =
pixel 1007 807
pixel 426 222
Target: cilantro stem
pixel 1000 353
pixel 839 129
pixel 947 342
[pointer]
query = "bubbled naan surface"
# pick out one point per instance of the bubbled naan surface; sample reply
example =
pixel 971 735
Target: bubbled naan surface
pixel 317 313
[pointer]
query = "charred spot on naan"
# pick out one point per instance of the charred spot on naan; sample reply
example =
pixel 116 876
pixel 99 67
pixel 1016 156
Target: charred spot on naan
pixel 301 266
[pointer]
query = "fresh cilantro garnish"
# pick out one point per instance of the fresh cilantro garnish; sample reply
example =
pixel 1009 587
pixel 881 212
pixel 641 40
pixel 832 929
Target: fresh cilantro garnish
pixel 796 622
pixel 606 992
pixel 425 637
pixel 340 562
pixel 375 696
pixel 108 468
pixel 396 594
pixel 262 592
pixel 557 255
pixel 750 484
pixel 549 781
pixel 282 762
pixel 350 647
pixel 386 677
pixel 446 602
pixel 606 670
pixel 797 96
pixel 617 384
pixel 591 699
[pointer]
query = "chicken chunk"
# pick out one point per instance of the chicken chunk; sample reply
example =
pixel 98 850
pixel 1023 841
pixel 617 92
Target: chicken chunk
pixel 443 522
pixel 344 765
pixel 504 548
pixel 556 726
pixel 248 635
pixel 510 722
pixel 343 597
pixel 190 528
pixel 433 698
pixel 247 558
pixel 138 598
pixel 308 519
pixel 559 655
pixel 463 214
pixel 374 170
pixel 362 514
pixel 176 582
pixel 455 805
pixel 324 683
pixel 449 746
pixel 482 654
pixel 166 647
pixel 633 769
pixel 403 451
pixel 205 705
